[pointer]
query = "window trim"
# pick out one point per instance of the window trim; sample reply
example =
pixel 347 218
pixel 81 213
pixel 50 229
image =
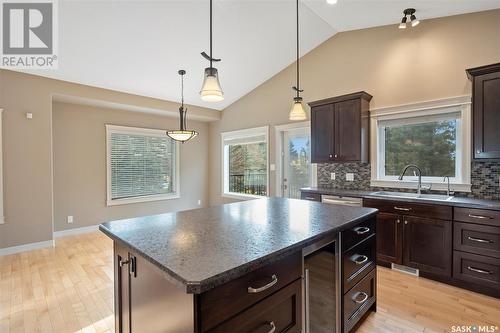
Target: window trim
pixel 2 217
pixel 241 134
pixel 110 129
pixel 462 105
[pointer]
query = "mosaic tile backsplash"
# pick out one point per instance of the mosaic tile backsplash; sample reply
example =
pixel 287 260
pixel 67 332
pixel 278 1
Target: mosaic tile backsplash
pixel 484 178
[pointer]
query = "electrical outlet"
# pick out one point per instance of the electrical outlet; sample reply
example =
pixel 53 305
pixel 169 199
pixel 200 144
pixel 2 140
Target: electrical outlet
pixel 332 175
pixel 69 219
pixel 349 177
pixel 199 202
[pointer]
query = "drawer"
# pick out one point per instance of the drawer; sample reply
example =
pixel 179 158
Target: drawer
pixel 479 216
pixel 410 208
pixel 481 270
pixel 358 233
pixel 225 301
pixel 476 238
pixel 310 196
pixel 280 312
pixel 359 300
pixel 358 261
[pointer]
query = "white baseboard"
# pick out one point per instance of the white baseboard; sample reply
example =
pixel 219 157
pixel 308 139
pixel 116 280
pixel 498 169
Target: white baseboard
pixel 76 231
pixel 26 247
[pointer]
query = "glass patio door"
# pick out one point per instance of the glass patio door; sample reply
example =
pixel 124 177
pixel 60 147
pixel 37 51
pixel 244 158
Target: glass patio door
pixel 296 161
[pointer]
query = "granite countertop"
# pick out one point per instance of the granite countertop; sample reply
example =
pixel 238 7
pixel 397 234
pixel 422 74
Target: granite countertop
pixel 455 202
pixel 202 248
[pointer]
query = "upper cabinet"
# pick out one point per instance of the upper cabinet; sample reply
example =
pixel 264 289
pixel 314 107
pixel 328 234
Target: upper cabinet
pixel 486 111
pixel 340 129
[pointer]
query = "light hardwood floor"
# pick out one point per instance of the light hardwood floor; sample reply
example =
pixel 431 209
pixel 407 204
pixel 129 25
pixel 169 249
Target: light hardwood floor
pixel 70 289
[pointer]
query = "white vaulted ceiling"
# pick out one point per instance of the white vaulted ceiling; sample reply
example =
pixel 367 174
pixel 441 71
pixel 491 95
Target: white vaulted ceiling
pixel 138 46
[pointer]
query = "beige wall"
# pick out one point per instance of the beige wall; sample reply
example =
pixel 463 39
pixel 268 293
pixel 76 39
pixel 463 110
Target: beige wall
pixel 27 147
pixel 395 66
pixel 79 144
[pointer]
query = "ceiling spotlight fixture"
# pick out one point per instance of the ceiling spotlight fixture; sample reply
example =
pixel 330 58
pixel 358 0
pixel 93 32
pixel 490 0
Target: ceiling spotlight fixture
pixel 409 12
pixel 211 90
pixel 297 112
pixel 182 134
pixel 331 2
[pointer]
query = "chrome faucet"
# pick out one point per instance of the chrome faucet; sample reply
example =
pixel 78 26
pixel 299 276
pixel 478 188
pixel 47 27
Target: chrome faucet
pixel 448 191
pixel 419 188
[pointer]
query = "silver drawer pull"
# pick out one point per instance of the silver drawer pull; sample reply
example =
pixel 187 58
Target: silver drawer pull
pixel 267 286
pixel 310 198
pixel 360 301
pixel 361 230
pixel 273 327
pixel 402 209
pixel 477 270
pixel 481 217
pixel 360 260
pixel 480 240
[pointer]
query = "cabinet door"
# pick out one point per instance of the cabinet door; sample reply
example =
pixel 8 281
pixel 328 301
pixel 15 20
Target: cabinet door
pixel 428 245
pixel 122 310
pixel 347 138
pixel 322 127
pixel 389 238
pixel 156 304
pixel 486 116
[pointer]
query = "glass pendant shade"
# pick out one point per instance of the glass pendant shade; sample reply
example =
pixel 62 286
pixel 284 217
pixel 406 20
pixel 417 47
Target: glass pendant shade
pixel 298 111
pixel 182 135
pixel 211 90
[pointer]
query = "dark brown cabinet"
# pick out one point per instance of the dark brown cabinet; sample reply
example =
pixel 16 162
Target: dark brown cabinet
pixel 486 111
pixel 389 238
pixel 414 235
pixel 428 245
pixel 340 129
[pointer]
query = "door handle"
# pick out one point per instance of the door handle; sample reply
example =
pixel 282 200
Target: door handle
pixel 480 240
pixel 361 230
pixel 360 260
pixel 362 300
pixel 477 270
pixel 481 217
pixel 273 327
pixel 274 280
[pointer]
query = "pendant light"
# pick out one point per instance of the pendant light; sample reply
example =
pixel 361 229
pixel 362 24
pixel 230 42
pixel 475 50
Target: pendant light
pixel 182 135
pixel 297 112
pixel 211 90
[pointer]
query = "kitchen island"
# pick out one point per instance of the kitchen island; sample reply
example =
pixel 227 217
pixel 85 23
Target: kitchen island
pixel 242 267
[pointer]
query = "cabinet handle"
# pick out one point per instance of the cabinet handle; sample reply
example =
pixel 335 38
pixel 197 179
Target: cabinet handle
pixel 122 263
pixel 336 155
pixel 310 198
pixel 273 327
pixel 481 217
pixel 360 301
pixel 331 155
pixel 361 230
pixel 360 260
pixel 480 240
pixel 402 209
pixel 406 222
pixel 398 221
pixel 477 270
pixel 252 290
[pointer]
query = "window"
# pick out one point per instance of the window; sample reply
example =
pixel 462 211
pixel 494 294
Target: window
pixel 142 165
pixel 245 163
pixel 434 139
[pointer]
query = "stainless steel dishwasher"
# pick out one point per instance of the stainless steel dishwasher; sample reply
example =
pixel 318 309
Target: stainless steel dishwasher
pixel 341 200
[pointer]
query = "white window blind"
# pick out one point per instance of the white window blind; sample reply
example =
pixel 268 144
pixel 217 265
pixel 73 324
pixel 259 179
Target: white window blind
pixel 142 165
